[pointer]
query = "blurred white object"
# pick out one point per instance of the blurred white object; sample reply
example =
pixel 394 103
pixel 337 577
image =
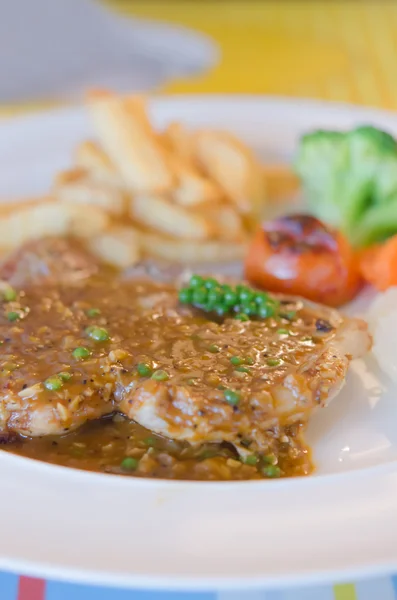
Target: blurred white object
pixel 59 48
pixel 382 321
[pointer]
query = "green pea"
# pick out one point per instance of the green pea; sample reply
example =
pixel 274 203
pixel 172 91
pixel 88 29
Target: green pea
pixel 93 312
pixel 129 463
pixel 249 361
pixel 272 471
pixel 270 459
pixel 53 383
pixel 185 295
pixel 200 295
pixel 251 460
pixel 65 376
pixel 211 283
pixel 230 298
pixel 144 370
pixel 261 298
pixel 9 294
pixel 99 334
pixel 226 289
pixel 221 310
pixel 249 308
pixel 215 296
pixel 282 331
pixel 150 441
pixel 160 375
pixel 208 454
pixel 8 367
pixel 231 397
pixel 273 362
pixel 243 370
pixel 245 295
pixel 81 353
pixel 13 316
pixel 265 311
pixel 290 315
pixel 196 281
pixel 236 360
pixel 214 349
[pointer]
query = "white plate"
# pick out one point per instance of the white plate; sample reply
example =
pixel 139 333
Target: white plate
pixel 340 523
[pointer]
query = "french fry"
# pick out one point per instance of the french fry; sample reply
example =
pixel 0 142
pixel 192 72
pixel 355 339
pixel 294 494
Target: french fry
pixel 35 220
pixel 226 221
pixel 163 215
pixel 179 141
pixel 90 157
pixel 232 165
pixel 77 187
pixel 132 146
pixel 119 246
pixel 190 251
pixel 281 182
pixel 192 188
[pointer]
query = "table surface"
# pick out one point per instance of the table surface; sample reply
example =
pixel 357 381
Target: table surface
pixel 341 51
pixel 336 50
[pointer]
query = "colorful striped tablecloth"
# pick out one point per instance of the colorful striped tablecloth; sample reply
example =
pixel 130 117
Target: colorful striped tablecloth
pixel 13 587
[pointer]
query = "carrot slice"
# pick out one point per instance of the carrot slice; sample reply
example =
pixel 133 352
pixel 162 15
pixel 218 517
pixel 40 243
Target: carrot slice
pixel 378 264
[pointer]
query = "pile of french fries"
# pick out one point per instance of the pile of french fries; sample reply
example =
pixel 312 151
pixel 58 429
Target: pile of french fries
pixel 177 194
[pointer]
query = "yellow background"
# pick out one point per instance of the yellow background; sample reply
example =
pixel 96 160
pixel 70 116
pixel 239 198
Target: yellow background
pixel 338 50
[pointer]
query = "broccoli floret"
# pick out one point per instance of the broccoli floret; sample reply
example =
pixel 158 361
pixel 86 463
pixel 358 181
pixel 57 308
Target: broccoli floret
pixel 350 180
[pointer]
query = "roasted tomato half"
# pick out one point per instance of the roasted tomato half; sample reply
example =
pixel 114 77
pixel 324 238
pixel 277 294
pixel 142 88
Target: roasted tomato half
pixel 298 254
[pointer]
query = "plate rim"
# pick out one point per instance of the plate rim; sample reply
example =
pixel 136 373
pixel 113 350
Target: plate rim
pixel 210 582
